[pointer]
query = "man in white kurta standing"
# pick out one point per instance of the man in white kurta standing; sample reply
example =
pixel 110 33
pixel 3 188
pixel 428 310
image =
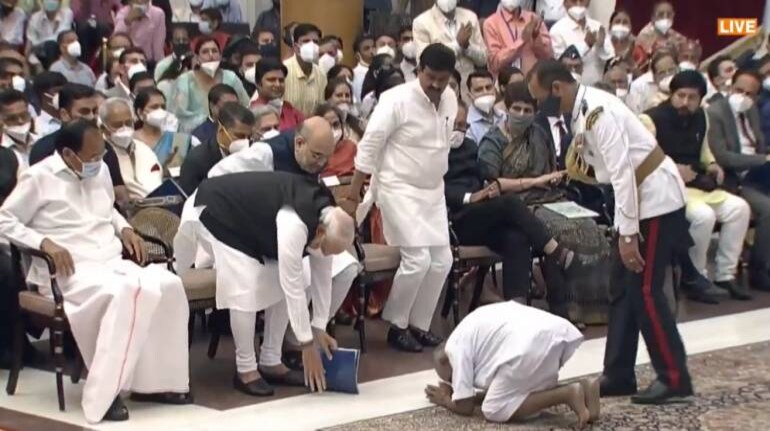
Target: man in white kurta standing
pixel 130 323
pixel 406 151
pixel 512 354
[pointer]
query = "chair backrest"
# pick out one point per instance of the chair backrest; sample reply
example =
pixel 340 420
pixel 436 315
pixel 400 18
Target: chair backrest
pixel 157 223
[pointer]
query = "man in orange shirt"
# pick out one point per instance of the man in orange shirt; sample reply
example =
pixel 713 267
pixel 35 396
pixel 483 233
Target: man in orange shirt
pixel 515 37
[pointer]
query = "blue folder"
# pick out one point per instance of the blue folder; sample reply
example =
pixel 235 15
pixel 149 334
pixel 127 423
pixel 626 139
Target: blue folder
pixel 342 370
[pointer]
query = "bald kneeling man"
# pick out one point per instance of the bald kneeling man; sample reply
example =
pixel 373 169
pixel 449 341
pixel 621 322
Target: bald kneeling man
pixel 512 354
pixel 258 226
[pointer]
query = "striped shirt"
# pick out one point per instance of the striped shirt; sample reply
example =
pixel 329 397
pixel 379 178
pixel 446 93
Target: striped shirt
pixel 304 92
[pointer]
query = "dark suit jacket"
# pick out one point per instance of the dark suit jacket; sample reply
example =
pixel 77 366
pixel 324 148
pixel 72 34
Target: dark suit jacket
pixel 198 163
pixel 725 143
pixel 463 175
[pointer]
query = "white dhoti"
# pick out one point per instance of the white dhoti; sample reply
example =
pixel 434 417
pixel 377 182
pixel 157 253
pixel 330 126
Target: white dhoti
pixel 130 325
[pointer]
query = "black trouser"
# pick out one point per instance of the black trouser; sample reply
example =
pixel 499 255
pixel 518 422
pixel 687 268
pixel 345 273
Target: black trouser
pixel 639 304
pixel 507 226
pixel 8 303
pixel 759 200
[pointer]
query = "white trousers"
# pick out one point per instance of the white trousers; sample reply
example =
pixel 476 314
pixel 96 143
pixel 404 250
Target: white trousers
pixel 417 286
pixel 130 325
pixel 276 325
pixel 733 214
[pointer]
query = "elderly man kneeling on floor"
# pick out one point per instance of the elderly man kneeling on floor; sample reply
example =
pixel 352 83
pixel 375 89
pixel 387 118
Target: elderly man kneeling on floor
pixel 129 322
pixel 512 354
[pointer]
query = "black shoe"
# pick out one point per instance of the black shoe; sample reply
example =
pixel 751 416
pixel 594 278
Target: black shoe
pixel 402 339
pixel 117 412
pixel 426 338
pixel 292 359
pixel 289 378
pixel 699 290
pixel 174 398
pixel 736 292
pixel 659 393
pixel 259 387
pixel 344 319
pixel 609 388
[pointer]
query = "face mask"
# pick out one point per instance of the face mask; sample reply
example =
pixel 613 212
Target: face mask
pixel 345 107
pixel 739 103
pixel 665 84
pixel 116 53
pixel 766 83
pixel 122 137
pixel 619 31
pixel 156 118
pixel 276 103
pixel 19 133
pixel 210 68
pixel 621 92
pixel 577 12
pixel 518 123
pixel 196 3
pixel 551 107
pixel 663 25
pixel 340 56
pixel 238 145
pixel 137 68
pixel 223 3
pixel 53 101
pixel 181 49
pixel 326 62
pixel 577 77
pixel 409 50
pixel 446 6
pixel 337 133
pixel 50 5
pixel 308 52
pixel 387 50
pixel 141 7
pixel 205 27
pixel 18 83
pixel 510 5
pixel 456 139
pixel 687 65
pixel 251 75
pixel 89 169
pixel 74 49
pixel 484 103
pixel 270 134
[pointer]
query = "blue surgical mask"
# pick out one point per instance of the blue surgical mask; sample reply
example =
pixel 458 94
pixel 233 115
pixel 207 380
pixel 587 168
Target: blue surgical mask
pixel 89 169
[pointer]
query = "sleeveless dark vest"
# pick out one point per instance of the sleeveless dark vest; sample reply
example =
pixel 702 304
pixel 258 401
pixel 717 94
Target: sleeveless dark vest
pixel 283 154
pixel 241 208
pixel 681 138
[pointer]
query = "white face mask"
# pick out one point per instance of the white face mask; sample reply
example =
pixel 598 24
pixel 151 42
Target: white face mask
pixel 326 62
pixel 344 107
pixel 205 27
pixel 409 50
pixel 621 92
pixel 210 68
pixel 578 77
pixel 18 83
pixel 340 56
pixel 620 31
pixel 739 103
pixel 122 137
pixel 337 133
pixel 74 49
pixel 446 6
pixel 117 52
pixel 308 52
pixel 19 133
pixel 766 83
pixel 156 118
pixel 663 25
pixel 251 75
pixel 665 84
pixel 137 68
pixel 577 12
pixel 238 145
pixel 196 3
pixel 456 139
pixel 510 5
pixel 270 134
pixel 386 49
pixel 484 103
pixel 687 65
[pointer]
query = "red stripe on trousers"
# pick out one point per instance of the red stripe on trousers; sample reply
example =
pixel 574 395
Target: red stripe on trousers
pixel 659 334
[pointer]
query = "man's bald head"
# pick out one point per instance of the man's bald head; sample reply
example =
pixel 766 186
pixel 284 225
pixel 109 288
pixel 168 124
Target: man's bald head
pixel 314 144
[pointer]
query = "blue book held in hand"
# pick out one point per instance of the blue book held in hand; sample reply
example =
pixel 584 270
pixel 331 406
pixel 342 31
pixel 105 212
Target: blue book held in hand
pixel 342 370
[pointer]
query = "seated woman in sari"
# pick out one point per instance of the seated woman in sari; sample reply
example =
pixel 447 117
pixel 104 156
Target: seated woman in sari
pixel 157 128
pixel 519 157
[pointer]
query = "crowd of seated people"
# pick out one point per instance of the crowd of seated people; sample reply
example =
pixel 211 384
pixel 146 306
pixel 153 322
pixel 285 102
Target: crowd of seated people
pixel 156 100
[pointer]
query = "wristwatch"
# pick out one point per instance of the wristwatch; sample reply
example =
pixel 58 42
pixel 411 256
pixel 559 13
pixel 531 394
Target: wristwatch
pixel 628 239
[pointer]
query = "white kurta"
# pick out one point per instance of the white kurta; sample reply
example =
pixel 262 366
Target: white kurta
pixel 508 350
pixel 406 150
pixel 130 323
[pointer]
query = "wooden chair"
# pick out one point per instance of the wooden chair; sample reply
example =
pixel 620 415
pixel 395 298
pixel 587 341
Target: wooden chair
pixel 41 311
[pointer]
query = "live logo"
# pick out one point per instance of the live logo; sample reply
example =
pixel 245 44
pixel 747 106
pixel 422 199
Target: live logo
pixel 737 26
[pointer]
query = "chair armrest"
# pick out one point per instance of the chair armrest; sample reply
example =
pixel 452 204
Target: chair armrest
pixel 36 253
pixel 157 241
pixel 19 250
pixel 454 241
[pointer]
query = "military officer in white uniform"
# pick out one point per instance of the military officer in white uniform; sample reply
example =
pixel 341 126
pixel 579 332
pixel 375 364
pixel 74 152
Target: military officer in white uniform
pixel 613 147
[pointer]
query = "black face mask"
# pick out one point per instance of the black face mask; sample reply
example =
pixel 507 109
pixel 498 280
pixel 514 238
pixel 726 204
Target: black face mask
pixel 181 50
pixel 551 107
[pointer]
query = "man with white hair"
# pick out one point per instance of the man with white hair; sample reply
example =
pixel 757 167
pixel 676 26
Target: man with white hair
pixel 257 226
pixel 268 122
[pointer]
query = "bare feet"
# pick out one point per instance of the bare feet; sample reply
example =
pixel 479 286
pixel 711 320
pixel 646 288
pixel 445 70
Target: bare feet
pixel 577 402
pixel 591 389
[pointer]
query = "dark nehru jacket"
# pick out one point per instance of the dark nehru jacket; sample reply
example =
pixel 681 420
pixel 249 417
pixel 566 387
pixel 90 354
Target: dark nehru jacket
pixel 241 208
